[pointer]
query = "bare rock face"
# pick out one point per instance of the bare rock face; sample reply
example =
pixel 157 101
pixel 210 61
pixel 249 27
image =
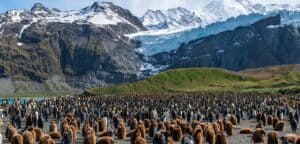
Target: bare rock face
pixel 92 54
pixel 264 43
pixel 85 54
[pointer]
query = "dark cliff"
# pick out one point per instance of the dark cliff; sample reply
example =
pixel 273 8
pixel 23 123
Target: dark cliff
pixel 264 43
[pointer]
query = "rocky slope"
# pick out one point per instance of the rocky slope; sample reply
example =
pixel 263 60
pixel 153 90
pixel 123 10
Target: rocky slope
pixel 263 43
pixel 84 48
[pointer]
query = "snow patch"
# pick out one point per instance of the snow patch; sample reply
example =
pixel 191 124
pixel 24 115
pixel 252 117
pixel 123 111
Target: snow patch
pixel 237 44
pixel 273 26
pixel 159 32
pixel 102 19
pixel 250 34
pixel 20 44
pixel 40 12
pixel 220 51
pixel 23 29
pixel 15 16
pixel 1 31
pixel 151 68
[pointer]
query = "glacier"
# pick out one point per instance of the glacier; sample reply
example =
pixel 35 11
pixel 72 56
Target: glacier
pixel 153 44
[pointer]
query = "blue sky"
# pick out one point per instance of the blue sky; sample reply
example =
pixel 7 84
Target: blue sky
pixel 138 7
pixel 61 4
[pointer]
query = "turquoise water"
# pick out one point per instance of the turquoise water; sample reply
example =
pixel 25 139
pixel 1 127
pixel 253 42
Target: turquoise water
pixel 11 101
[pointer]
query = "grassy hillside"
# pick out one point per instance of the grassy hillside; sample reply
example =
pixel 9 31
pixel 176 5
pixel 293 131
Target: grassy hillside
pixel 274 79
pixel 267 72
pixel 33 95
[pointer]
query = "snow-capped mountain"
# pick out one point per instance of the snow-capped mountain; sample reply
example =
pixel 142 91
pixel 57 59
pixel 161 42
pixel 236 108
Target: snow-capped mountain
pixel 264 43
pixel 170 19
pixel 154 19
pixel 220 10
pixel 164 42
pixel 83 48
pixel 211 11
pixel 213 17
pixel 154 42
pixel 99 14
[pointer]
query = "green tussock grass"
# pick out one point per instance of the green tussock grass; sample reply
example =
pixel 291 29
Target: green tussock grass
pixel 206 80
pixel 32 95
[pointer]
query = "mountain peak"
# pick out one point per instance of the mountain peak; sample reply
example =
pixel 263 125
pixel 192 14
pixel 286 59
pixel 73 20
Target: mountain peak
pixel 39 7
pixel 154 19
pixel 179 9
pixel 96 6
pixel 153 12
pixel 100 6
pixel 106 4
pixel 170 19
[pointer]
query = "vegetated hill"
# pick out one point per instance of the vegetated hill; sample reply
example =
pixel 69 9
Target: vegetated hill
pixel 211 80
pixel 272 71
